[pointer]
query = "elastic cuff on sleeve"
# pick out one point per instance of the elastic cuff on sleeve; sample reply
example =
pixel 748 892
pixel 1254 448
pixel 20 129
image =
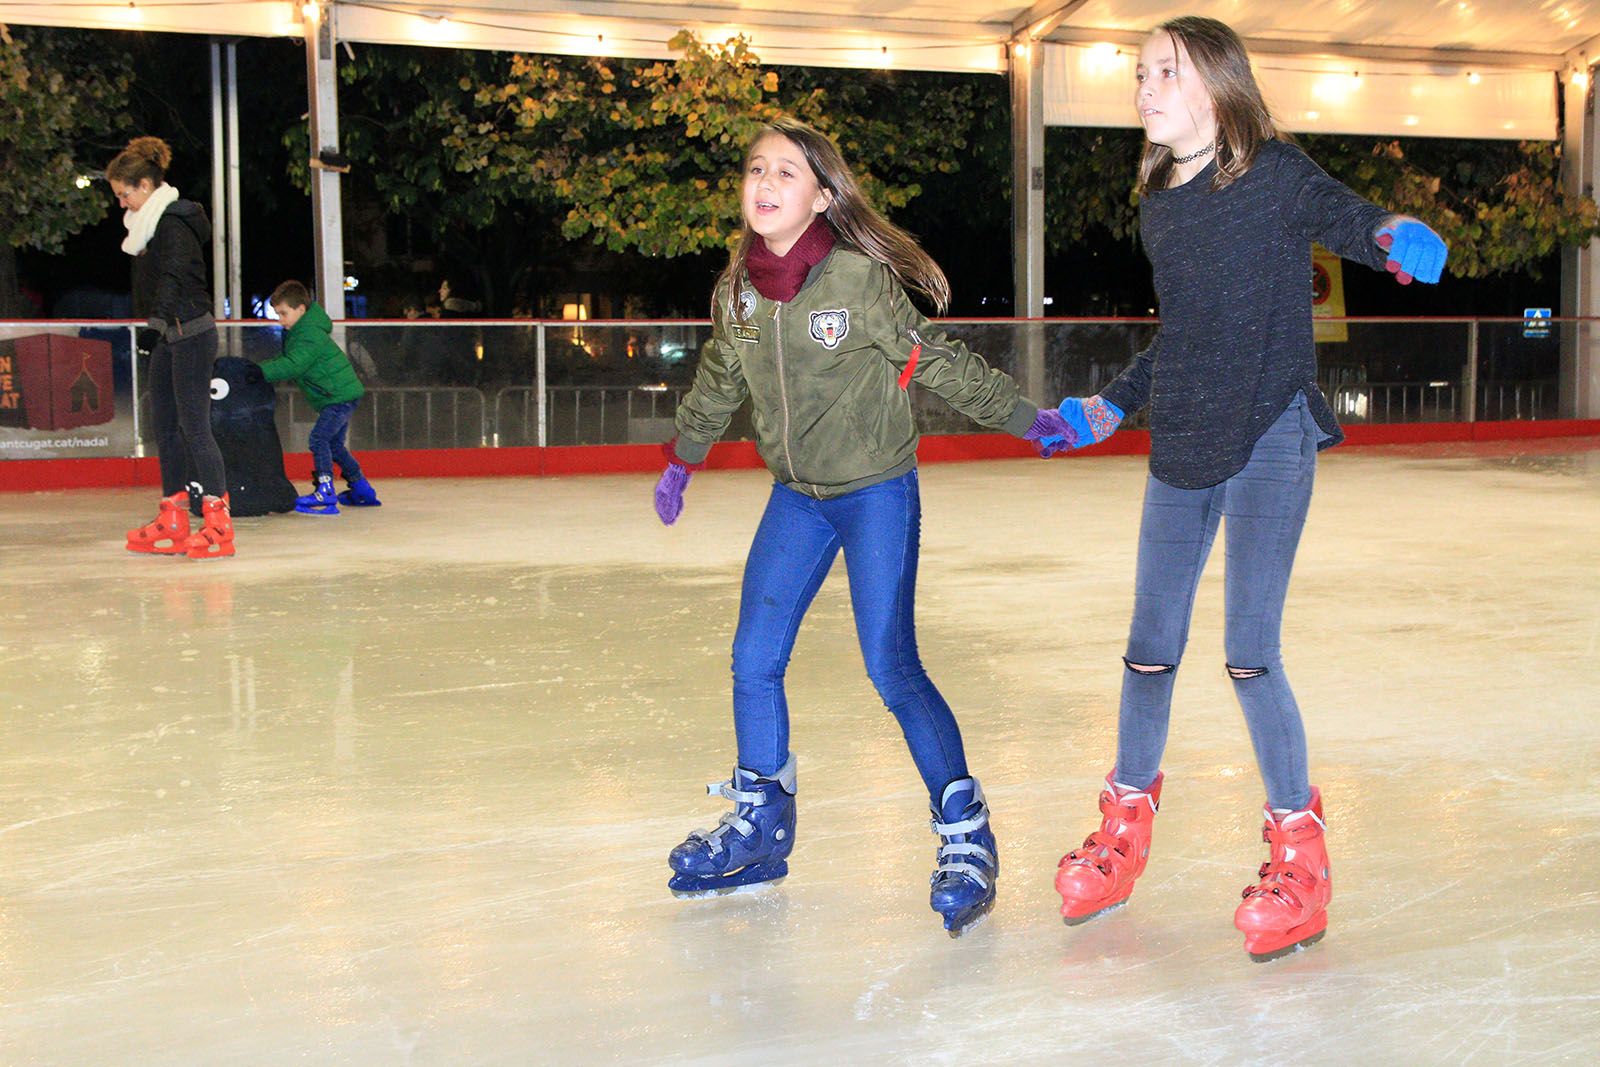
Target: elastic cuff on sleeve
pixel 686 453
pixel 1021 418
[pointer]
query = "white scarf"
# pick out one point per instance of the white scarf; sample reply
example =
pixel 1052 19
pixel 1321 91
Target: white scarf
pixel 141 224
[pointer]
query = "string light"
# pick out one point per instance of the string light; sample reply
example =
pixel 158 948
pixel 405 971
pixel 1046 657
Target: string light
pixel 1473 77
pixel 1580 78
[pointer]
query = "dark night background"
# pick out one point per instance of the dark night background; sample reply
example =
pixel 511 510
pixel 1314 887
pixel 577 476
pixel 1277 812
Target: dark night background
pixel 963 219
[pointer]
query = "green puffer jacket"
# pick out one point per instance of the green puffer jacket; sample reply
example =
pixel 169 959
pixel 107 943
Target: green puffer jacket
pixel 823 372
pixel 311 358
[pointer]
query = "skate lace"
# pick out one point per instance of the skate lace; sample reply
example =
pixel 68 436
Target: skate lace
pixel 945 857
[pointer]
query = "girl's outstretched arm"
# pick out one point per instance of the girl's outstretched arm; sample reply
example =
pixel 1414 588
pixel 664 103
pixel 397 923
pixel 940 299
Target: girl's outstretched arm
pixel 1130 391
pixel 936 361
pixel 1328 212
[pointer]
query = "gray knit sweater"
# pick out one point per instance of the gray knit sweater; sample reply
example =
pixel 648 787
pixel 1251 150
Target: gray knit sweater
pixel 1232 271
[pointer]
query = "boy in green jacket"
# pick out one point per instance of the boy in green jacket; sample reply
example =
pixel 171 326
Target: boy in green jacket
pixel 312 358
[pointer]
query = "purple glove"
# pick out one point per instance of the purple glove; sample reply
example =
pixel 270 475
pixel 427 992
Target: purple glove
pixel 1051 433
pixel 669 492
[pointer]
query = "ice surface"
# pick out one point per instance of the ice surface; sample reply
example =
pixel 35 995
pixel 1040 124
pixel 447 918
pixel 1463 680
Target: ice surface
pixel 398 787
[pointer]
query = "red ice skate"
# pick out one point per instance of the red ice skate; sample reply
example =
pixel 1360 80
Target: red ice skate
pixel 1288 908
pixel 215 539
pixel 168 535
pixel 1100 875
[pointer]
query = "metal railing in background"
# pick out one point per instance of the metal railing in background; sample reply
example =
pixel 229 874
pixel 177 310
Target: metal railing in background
pixel 587 414
pixel 407 416
pixel 468 383
pixel 1383 402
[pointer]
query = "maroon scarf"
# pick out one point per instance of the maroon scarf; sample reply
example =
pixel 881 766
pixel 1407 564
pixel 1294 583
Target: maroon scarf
pixel 780 277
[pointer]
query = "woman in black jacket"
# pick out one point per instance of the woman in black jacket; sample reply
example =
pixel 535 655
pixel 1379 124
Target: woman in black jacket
pixel 167 238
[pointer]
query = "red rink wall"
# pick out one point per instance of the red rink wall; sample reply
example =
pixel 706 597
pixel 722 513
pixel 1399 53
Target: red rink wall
pixel 31 475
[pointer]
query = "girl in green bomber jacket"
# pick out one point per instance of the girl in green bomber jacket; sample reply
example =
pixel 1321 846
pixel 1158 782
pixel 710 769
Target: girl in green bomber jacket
pixel 313 359
pixel 813 325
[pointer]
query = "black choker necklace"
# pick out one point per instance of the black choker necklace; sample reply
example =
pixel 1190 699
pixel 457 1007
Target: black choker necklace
pixel 1192 156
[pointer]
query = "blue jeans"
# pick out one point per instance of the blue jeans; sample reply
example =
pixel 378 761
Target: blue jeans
pixel 879 529
pixel 327 441
pixel 1265 505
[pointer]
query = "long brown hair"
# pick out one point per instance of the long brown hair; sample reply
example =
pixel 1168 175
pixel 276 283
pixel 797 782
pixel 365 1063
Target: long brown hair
pixel 857 225
pixel 1244 122
pixel 145 157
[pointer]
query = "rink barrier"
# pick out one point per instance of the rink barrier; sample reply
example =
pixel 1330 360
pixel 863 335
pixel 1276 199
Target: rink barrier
pixel 576 460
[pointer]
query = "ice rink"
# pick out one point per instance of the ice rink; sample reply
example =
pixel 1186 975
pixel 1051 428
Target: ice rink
pixel 398 787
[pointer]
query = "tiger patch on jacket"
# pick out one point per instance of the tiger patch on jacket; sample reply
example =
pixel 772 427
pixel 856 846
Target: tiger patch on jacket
pixel 830 327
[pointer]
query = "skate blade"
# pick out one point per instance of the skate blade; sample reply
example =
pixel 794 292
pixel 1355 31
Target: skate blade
pixel 157 550
pixel 1289 949
pixel 725 891
pixel 970 925
pixel 1079 920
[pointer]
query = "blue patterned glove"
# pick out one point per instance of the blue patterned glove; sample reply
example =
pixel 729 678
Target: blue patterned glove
pixel 1093 419
pixel 1051 433
pixel 1414 250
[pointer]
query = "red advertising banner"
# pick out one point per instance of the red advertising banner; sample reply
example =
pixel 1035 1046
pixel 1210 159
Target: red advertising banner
pixel 56 382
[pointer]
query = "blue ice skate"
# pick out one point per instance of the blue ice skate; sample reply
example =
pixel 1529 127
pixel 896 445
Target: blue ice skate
pixel 969 861
pixel 750 845
pixel 320 501
pixel 360 495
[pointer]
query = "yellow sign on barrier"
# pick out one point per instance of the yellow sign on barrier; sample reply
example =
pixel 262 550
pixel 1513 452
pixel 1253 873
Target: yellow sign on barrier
pixel 1327 295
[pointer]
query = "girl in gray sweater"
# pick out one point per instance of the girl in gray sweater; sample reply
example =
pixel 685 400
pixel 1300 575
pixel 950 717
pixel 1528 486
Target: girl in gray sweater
pixel 1228 214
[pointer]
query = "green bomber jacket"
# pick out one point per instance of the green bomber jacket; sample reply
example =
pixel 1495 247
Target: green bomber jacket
pixel 313 358
pixel 826 375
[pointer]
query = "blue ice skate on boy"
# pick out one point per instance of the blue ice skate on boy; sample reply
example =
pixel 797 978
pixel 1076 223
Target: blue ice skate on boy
pixel 749 846
pixel 360 494
pixel 969 860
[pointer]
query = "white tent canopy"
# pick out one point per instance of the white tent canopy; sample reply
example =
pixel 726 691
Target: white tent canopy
pixel 953 35
pixel 1478 68
pixel 1417 67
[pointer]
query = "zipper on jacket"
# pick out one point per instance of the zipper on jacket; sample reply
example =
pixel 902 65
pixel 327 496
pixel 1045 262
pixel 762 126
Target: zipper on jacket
pixel 783 391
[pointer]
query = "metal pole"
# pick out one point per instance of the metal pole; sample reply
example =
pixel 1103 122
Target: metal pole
pixel 1472 372
pixel 133 347
pixel 1027 176
pixel 219 228
pixel 1027 207
pixel 540 381
pixel 235 229
pixel 1578 396
pixel 326 207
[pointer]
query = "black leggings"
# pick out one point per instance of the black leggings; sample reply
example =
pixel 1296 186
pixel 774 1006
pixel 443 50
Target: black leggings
pixel 180 403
